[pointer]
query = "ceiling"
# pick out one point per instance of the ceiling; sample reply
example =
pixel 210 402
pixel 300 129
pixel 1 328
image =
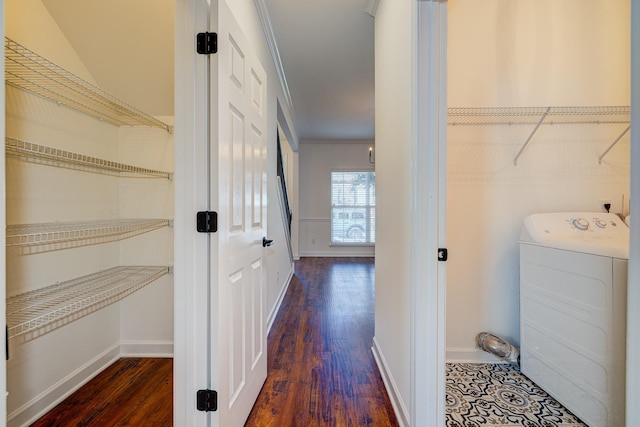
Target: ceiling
pixel 326 49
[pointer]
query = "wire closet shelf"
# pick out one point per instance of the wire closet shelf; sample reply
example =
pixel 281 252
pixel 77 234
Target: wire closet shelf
pixel 25 235
pixel 65 301
pixel 538 116
pixel 482 116
pixel 55 157
pixel 33 73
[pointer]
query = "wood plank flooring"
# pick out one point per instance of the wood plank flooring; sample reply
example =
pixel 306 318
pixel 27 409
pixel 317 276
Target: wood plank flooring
pixel 321 368
pixel 131 392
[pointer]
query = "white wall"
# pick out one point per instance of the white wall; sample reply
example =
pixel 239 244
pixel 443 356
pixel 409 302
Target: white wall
pixel 280 265
pixel 291 163
pixel 317 160
pixel 526 53
pixel 394 136
pixel 146 316
pixel 48 364
pixel 278 254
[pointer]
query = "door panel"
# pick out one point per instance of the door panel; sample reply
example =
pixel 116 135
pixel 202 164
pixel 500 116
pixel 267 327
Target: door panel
pixel 257 313
pixel 236 335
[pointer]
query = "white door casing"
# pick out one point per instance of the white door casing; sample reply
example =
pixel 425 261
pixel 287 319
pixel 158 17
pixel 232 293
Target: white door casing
pixel 429 172
pixel 3 363
pixel 191 365
pixel 220 279
pixel 238 188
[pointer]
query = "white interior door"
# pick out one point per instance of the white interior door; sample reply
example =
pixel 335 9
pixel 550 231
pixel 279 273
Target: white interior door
pixel 220 279
pixel 238 185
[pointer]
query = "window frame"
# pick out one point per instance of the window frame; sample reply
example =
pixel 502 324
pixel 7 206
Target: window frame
pixel 368 207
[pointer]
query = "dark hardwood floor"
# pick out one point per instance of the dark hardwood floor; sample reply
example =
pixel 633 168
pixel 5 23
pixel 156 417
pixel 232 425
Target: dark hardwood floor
pixel 131 392
pixel 321 368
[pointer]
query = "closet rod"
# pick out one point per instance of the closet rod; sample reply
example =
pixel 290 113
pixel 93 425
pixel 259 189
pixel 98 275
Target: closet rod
pixel 613 144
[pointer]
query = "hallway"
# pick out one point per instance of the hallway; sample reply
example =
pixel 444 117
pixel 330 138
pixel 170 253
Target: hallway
pixel 321 370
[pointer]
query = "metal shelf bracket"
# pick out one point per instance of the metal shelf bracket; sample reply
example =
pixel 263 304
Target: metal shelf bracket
pixel 544 116
pixel 613 144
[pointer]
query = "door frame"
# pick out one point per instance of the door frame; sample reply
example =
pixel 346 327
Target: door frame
pixel 191 249
pixel 429 174
pixel 3 259
pixel 633 287
pixel 428 295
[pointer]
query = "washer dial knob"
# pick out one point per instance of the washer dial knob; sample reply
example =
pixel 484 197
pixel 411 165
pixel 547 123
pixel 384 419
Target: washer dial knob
pixel 601 223
pixel 581 223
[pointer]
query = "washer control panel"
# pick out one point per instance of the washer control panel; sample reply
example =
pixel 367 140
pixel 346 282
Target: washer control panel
pixel 582 223
pixel 589 232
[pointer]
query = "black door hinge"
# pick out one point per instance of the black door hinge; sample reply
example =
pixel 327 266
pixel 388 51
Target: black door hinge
pixel 207 222
pixel 207 400
pixel 443 254
pixel 207 43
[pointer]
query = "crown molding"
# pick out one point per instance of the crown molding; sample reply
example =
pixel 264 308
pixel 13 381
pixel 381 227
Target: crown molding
pixel 370 6
pixel 263 14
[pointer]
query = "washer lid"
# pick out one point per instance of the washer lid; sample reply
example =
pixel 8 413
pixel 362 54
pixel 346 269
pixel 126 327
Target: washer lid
pixel 588 232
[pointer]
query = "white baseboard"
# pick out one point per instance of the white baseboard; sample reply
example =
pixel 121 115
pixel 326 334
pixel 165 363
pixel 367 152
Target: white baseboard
pixel 274 310
pixel 329 254
pixel 49 398
pixel 146 349
pixel 392 390
pixel 470 355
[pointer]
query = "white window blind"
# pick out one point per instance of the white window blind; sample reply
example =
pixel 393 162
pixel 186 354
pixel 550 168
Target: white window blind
pixel 353 207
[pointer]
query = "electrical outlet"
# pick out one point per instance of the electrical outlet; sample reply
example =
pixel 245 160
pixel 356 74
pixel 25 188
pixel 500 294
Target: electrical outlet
pixel 313 240
pixel 603 205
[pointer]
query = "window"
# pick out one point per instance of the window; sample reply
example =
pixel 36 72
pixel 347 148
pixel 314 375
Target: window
pixel 353 207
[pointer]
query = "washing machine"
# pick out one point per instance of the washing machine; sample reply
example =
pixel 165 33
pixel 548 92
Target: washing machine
pixel 573 287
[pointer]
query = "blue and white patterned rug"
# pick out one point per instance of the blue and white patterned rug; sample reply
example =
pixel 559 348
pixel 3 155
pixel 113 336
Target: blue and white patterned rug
pixel 499 395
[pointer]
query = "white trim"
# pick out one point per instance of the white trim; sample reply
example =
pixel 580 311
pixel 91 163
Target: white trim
pixel 312 141
pixel 470 355
pixel 274 311
pixel 191 350
pixel 325 254
pixel 49 398
pixel 3 223
pixel 139 348
pixel 353 170
pixel 428 191
pixel 357 245
pixel 633 293
pixel 399 407
pixel 265 20
pixel 370 6
pixel 314 219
